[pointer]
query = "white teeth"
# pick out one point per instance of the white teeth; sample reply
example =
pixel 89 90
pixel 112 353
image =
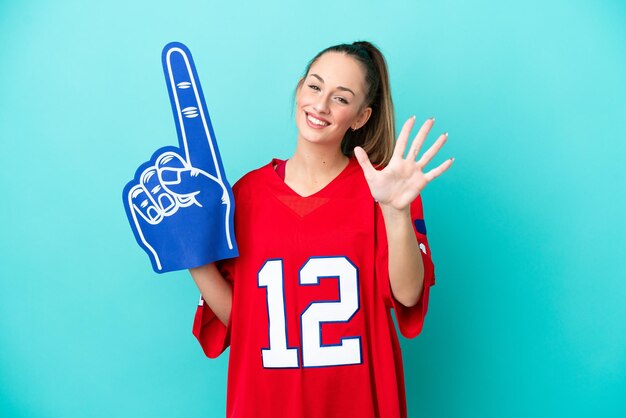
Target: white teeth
pixel 316 121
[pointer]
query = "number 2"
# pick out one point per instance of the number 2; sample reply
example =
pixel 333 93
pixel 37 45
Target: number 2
pixel 314 353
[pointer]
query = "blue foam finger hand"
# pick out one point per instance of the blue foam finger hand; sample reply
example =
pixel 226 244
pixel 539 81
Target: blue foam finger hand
pixel 180 205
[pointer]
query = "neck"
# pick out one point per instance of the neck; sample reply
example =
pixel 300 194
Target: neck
pixel 313 166
pixel 319 161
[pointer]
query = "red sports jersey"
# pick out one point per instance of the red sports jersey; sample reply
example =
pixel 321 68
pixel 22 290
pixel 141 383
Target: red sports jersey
pixel 311 332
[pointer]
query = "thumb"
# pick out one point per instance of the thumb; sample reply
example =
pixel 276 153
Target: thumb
pixel 361 156
pixel 179 178
pixel 189 181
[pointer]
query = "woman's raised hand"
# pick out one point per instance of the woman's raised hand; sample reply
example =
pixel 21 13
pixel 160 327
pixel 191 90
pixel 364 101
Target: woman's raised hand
pixel 403 179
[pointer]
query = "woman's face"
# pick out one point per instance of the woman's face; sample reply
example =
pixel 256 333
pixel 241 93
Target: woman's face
pixel 331 99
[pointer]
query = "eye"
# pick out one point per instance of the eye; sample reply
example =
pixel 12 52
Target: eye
pixel 342 100
pixel 314 87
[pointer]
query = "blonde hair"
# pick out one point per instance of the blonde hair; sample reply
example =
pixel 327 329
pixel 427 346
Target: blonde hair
pixel 378 135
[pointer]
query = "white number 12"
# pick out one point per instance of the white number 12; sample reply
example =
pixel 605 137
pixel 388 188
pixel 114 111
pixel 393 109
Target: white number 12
pixel 314 354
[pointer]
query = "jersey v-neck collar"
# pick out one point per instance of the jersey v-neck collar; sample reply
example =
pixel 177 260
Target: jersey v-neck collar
pixel 324 191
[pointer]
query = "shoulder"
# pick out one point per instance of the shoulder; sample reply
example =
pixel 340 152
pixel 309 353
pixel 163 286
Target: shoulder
pixel 252 177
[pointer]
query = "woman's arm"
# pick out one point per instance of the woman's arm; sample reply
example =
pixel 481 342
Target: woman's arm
pixel 394 188
pixel 216 291
pixel 406 268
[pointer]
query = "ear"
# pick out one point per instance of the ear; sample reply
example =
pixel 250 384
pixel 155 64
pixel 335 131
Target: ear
pixel 299 85
pixel 362 118
pixel 297 90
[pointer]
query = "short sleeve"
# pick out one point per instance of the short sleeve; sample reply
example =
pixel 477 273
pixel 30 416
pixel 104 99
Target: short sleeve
pixel 410 319
pixel 211 333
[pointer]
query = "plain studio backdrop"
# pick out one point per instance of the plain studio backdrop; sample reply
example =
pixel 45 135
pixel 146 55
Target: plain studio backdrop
pixel 527 229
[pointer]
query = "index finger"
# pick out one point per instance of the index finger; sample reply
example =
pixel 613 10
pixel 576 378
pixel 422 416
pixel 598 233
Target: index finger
pixel 193 125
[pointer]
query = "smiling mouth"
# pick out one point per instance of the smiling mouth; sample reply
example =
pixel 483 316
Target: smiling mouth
pixel 315 121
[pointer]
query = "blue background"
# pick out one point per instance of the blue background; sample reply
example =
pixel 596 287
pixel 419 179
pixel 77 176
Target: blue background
pixel 527 229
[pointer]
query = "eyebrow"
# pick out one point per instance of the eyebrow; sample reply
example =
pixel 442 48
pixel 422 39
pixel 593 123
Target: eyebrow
pixel 339 87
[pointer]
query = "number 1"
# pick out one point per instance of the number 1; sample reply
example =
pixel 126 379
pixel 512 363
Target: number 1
pixel 278 355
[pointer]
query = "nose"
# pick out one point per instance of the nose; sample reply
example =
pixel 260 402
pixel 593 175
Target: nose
pixel 321 105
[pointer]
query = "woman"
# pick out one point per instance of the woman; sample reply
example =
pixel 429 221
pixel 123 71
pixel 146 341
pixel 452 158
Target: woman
pixel 330 241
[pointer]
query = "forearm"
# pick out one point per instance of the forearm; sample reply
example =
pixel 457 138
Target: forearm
pixel 216 291
pixel 406 269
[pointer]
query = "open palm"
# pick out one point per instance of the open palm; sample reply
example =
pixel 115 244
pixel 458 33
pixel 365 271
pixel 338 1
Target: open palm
pixel 403 179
